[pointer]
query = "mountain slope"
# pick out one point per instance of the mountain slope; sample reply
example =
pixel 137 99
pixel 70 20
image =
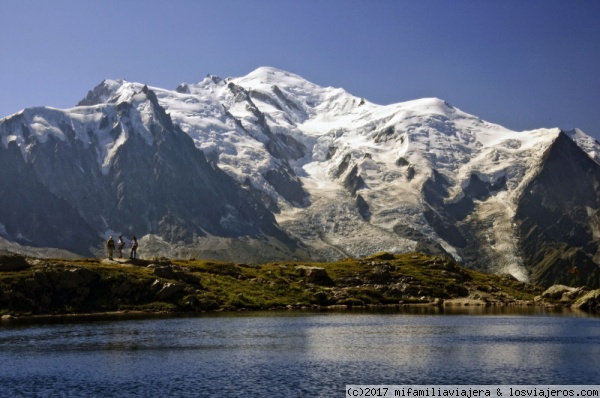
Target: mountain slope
pixel 558 215
pixel 32 215
pixel 285 168
pixel 125 168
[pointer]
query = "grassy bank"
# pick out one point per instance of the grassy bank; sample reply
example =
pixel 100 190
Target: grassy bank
pixel 54 286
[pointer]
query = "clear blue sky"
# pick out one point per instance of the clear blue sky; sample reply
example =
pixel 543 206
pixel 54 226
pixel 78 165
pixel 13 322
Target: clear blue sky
pixel 522 64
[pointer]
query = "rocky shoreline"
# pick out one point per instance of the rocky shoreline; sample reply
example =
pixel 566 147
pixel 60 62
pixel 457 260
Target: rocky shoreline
pixel 31 287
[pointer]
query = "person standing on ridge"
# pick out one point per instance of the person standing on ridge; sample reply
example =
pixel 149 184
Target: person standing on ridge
pixel 120 246
pixel 110 247
pixel 134 246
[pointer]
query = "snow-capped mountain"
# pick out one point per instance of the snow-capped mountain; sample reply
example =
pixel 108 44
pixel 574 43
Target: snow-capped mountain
pixel 323 173
pixel 73 177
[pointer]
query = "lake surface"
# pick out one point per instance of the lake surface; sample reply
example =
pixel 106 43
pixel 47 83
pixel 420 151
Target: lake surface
pixel 295 354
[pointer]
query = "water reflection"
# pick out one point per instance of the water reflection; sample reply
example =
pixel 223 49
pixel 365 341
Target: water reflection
pixel 298 353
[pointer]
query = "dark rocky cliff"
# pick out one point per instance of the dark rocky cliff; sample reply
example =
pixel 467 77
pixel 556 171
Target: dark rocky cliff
pixel 35 216
pixel 157 182
pixel 558 218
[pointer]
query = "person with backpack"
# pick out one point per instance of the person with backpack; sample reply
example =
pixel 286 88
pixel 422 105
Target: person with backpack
pixel 134 246
pixel 120 246
pixel 110 247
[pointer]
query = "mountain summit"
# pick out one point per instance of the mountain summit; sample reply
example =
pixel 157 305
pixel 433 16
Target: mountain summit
pixel 271 166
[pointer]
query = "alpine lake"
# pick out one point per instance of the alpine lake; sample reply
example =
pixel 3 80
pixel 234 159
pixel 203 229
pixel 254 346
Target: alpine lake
pixel 295 353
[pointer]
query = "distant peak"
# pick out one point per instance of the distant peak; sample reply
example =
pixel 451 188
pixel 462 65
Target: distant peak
pixel 215 79
pixel 268 75
pixel 102 92
pixel 432 104
pixel 269 70
pixel 575 133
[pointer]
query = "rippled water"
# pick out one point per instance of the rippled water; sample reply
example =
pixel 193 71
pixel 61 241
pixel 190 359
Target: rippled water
pixel 293 354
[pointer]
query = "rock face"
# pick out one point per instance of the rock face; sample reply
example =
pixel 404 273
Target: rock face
pixel 589 302
pixel 563 293
pixel 316 275
pixel 32 214
pixel 558 217
pixel 149 180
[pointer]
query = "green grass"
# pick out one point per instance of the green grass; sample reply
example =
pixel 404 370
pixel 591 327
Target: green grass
pixel 381 279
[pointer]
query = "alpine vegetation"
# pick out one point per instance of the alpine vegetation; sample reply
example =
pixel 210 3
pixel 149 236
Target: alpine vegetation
pixel 270 166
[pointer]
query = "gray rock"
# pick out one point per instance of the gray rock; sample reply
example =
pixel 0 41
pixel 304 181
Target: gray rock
pixel 556 292
pixel 321 298
pixel 164 272
pixel 170 290
pixel 590 301
pixel 316 275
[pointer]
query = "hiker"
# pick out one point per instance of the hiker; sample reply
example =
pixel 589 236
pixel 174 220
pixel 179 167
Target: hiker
pixel 120 246
pixel 110 246
pixel 134 245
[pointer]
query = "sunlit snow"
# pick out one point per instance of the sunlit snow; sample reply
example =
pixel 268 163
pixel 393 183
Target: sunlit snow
pixel 394 148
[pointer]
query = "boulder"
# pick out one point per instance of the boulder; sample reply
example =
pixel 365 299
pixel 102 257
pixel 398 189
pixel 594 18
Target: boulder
pixel 381 273
pixel 589 302
pixel 164 272
pixel 321 298
pixel 556 292
pixel 170 290
pixel 12 262
pixel 188 278
pixel 316 275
